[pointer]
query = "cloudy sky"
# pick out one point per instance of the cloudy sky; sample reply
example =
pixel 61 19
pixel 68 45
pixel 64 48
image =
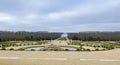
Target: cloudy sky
pixel 60 15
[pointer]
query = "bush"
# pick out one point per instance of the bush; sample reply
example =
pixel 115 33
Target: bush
pixel 11 48
pixel 83 49
pixel 77 49
pixel 96 49
pixel 21 49
pixel 20 45
pixel 117 46
pixel 98 46
pixel 32 49
pixel 75 43
pixel 44 50
pixel 108 46
pixel 103 49
pixel 14 44
pixel 87 45
pixel 24 44
pixel 66 49
pixel 55 49
pixel 3 48
pixel 94 46
pixel 86 49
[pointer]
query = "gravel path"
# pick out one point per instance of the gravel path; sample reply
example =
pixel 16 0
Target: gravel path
pixel 110 57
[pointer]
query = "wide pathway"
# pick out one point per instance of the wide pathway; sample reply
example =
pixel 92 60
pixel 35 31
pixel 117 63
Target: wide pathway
pixel 111 57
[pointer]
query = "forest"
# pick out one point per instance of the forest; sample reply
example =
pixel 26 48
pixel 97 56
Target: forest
pixel 28 36
pixel 95 36
pixel 43 35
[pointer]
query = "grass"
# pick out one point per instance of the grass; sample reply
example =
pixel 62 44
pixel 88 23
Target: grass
pixel 21 49
pixel 75 43
pixel 62 38
pixel 95 44
pixel 117 46
pixel 108 46
pixel 86 49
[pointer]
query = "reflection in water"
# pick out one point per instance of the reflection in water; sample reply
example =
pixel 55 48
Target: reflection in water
pixel 34 48
pixel 69 48
pixel 49 47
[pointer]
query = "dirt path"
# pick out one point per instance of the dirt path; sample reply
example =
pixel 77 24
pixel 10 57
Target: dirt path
pixel 110 57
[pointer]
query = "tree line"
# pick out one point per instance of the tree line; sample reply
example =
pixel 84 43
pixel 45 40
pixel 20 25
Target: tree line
pixel 27 36
pixel 37 36
pixel 95 36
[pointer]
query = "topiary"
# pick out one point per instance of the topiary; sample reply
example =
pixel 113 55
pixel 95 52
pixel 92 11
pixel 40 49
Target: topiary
pixel 66 49
pixel 11 48
pixel 32 49
pixel 87 49
pixel 96 49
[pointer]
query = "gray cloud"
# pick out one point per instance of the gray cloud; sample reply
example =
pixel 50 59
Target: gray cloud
pixel 60 15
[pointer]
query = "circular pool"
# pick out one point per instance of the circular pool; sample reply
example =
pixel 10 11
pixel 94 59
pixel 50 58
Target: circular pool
pixel 69 48
pixel 34 48
pixel 38 48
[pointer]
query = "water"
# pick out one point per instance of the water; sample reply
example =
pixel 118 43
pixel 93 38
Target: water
pixel 35 48
pixel 69 48
pixel 40 47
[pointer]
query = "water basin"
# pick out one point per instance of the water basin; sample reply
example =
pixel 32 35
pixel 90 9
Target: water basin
pixel 69 48
pixel 34 48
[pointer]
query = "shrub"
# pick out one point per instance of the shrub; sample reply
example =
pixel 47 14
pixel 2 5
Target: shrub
pixel 3 48
pixel 75 43
pixel 11 48
pixel 32 49
pixel 102 46
pixel 117 46
pixel 21 49
pixel 96 49
pixel 20 45
pixel 32 44
pixel 108 46
pixel 44 49
pixel 77 49
pixel 56 49
pixel 103 49
pixel 98 46
pixel 94 46
pixel 14 44
pixel 24 44
pixel 66 49
pixel 86 49
pixel 83 49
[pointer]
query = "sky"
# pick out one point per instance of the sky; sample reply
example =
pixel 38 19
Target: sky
pixel 60 15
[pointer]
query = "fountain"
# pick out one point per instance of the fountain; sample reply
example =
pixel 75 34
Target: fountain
pixel 52 48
